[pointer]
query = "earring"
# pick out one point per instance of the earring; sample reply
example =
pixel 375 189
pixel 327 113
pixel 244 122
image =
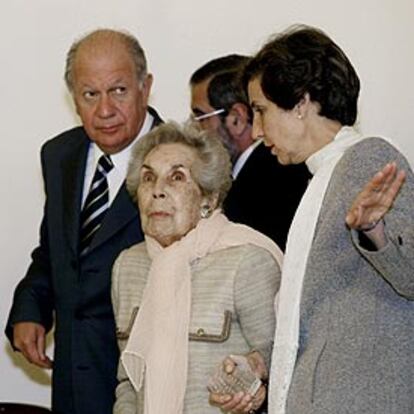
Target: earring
pixel 205 211
pixel 300 116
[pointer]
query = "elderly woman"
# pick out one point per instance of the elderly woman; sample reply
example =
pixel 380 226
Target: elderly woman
pixel 198 289
pixel 345 317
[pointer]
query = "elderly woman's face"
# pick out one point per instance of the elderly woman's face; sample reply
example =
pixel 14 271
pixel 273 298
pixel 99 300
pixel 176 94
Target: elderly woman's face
pixel 283 131
pixel 168 197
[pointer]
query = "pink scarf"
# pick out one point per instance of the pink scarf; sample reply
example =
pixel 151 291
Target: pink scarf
pixel 158 341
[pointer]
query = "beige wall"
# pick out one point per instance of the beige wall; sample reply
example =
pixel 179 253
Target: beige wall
pixel 178 35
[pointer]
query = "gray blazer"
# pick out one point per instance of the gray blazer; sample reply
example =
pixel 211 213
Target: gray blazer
pixel 356 351
pixel 233 293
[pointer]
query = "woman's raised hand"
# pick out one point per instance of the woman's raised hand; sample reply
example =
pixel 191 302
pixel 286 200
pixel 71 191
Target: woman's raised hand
pixel 374 201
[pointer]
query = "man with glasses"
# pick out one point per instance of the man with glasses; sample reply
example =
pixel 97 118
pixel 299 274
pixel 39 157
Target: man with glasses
pixel 219 103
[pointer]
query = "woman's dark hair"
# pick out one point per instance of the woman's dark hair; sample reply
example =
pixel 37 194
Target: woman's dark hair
pixel 304 60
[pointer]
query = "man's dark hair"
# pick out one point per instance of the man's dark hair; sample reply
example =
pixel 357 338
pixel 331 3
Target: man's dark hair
pixel 226 89
pixel 215 66
pixel 304 60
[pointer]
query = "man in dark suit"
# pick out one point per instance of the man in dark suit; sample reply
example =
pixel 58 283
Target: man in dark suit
pixel 107 77
pixel 264 194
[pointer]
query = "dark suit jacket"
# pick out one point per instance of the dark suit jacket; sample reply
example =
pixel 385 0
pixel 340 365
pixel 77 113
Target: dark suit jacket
pixel 265 194
pixel 74 291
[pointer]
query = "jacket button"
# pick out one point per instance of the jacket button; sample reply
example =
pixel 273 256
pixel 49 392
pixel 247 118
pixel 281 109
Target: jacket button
pixel 200 332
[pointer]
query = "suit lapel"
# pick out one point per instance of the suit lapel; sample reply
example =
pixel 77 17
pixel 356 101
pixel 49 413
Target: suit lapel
pixel 73 168
pixel 121 212
pixel 157 119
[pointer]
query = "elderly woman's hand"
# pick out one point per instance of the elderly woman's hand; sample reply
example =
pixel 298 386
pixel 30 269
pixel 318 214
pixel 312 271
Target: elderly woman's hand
pixel 374 201
pixel 243 402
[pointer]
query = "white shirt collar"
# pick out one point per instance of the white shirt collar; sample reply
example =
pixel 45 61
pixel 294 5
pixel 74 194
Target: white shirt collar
pixel 244 157
pixel 120 160
pixel 339 142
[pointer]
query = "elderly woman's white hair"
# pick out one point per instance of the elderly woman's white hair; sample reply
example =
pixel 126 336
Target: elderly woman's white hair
pixel 211 170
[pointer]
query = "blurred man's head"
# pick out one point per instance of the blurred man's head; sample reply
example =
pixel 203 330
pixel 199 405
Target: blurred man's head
pixel 106 74
pixel 219 103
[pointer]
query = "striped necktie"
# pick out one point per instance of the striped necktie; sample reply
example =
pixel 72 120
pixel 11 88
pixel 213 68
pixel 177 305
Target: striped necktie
pixel 96 203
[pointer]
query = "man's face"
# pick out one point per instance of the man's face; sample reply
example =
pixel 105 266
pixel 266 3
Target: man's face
pixel 200 105
pixel 109 98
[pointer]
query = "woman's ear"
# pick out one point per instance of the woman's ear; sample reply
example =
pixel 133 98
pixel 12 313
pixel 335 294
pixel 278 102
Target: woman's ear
pixel 301 109
pixel 209 202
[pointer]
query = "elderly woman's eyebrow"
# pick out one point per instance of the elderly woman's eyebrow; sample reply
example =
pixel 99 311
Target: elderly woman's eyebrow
pixel 177 166
pixel 173 167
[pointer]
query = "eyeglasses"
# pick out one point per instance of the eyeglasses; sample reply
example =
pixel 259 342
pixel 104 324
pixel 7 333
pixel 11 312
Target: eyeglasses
pixel 209 114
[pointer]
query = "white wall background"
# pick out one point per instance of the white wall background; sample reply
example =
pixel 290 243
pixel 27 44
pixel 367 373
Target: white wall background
pixel 178 35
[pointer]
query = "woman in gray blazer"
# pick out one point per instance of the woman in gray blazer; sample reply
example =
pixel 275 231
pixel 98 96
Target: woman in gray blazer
pixel 198 289
pixel 345 316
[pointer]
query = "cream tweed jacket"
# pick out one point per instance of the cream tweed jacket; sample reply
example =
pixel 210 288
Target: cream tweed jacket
pixel 232 312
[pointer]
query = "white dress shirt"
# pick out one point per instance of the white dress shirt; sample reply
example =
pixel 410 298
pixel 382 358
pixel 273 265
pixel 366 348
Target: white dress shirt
pixel 243 158
pixel 120 160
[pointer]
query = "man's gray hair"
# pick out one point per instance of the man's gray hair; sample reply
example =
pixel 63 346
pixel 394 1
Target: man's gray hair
pixel 211 171
pixel 122 37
